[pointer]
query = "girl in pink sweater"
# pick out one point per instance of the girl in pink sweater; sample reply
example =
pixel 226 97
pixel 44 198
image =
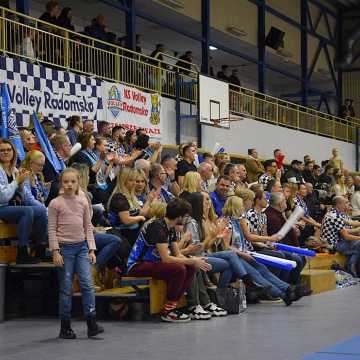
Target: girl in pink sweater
pixel 73 247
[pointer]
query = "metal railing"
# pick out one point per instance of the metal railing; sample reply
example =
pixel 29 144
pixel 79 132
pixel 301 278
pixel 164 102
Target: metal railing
pixel 47 44
pixel 37 41
pixel 269 109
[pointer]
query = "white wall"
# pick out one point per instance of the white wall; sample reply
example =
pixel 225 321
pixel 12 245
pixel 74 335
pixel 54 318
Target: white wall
pixel 264 137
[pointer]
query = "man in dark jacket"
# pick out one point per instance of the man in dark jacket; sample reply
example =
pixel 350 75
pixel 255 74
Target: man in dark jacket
pixel 294 175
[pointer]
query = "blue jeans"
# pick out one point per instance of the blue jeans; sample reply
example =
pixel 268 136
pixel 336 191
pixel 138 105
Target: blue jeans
pixel 264 277
pixel 27 219
pixel 107 245
pixel 76 261
pixel 236 264
pixel 351 249
pixel 221 266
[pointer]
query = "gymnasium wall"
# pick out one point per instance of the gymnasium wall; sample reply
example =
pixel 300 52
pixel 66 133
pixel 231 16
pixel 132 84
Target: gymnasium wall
pixel 250 133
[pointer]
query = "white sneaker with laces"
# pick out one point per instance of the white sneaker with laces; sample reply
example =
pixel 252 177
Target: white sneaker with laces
pixel 198 313
pixel 215 310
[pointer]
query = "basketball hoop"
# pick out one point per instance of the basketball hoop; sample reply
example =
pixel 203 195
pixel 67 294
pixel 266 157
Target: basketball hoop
pixel 225 121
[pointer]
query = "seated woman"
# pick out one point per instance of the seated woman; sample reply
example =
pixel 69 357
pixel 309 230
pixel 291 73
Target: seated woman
pixel 141 187
pixel 156 254
pixel 108 246
pixel 27 218
pixel 93 154
pixel 198 302
pixel 192 183
pixel 35 190
pixel 124 210
pixel 206 232
pixel 233 211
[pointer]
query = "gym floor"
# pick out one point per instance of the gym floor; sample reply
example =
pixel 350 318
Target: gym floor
pixel 264 332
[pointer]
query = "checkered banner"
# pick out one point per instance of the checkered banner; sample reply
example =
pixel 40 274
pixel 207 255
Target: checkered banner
pixel 54 94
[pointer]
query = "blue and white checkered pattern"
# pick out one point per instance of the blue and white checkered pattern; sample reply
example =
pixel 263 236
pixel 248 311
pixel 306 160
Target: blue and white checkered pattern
pixel 40 78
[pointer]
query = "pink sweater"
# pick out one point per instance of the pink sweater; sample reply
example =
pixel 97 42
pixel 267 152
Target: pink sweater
pixel 69 222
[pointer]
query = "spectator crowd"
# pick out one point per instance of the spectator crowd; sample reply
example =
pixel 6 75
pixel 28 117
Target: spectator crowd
pixel 191 219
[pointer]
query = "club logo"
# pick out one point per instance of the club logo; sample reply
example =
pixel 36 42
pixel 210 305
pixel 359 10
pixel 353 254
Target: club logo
pixel 114 101
pixel 155 109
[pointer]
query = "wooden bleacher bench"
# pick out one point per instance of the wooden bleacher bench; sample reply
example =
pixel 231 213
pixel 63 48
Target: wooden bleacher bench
pixel 317 273
pixel 129 288
pixel 7 251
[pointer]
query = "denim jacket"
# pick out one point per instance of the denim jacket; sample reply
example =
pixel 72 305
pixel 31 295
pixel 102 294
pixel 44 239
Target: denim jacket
pixel 7 191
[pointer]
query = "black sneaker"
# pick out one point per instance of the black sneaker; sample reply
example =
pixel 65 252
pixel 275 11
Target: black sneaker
pixel 175 316
pixel 23 256
pixel 215 310
pixel 270 300
pixel 289 295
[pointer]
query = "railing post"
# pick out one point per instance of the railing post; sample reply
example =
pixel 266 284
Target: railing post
pixel 357 147
pixel 3 30
pixel 67 51
pixel 298 118
pixel 177 108
pixel 117 65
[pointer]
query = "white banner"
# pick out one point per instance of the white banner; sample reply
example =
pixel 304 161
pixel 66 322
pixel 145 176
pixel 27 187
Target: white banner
pixel 46 102
pixel 132 108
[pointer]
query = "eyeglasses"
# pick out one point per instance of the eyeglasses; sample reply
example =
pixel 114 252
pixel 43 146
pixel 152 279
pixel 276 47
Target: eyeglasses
pixel 6 150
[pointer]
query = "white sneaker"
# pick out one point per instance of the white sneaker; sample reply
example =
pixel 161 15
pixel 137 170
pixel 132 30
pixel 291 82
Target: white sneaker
pixel 215 310
pixel 198 313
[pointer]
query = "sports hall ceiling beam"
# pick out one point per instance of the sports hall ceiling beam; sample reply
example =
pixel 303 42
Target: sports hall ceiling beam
pixel 130 19
pixel 205 32
pixel 304 52
pixel 293 22
pixel 261 46
pixel 22 6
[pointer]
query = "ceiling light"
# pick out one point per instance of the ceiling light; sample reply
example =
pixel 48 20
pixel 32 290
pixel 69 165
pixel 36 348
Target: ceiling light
pixel 211 47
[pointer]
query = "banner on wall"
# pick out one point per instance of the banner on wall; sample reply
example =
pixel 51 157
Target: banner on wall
pixel 132 108
pixel 54 94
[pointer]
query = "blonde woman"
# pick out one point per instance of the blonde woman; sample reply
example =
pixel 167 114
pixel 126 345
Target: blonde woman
pixel 125 211
pixel 340 189
pixel 141 187
pixel 192 182
pixel 35 191
pixel 259 273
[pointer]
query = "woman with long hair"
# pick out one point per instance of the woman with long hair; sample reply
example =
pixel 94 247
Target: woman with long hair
pixel 35 190
pixel 124 210
pixel 192 182
pixel 233 211
pixel 28 219
pixel 340 189
pixel 208 235
pixel 141 187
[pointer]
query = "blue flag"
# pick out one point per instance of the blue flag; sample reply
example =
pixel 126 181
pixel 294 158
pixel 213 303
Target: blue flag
pixel 46 147
pixel 9 128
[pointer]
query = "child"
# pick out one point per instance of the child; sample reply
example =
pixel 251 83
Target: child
pixel 73 247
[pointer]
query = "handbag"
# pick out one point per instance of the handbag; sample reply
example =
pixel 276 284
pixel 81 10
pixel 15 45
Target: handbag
pixel 233 300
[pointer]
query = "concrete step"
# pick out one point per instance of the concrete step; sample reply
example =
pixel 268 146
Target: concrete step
pixel 319 280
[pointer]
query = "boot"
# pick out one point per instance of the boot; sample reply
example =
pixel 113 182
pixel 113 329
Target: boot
pixel 93 328
pixel 66 332
pixel 40 253
pixel 23 256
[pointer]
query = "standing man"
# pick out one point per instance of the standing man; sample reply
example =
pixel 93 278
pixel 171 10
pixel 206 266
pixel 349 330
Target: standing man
pixel 254 166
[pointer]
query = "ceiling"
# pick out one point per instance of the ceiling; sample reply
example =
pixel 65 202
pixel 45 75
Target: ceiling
pixel 345 4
